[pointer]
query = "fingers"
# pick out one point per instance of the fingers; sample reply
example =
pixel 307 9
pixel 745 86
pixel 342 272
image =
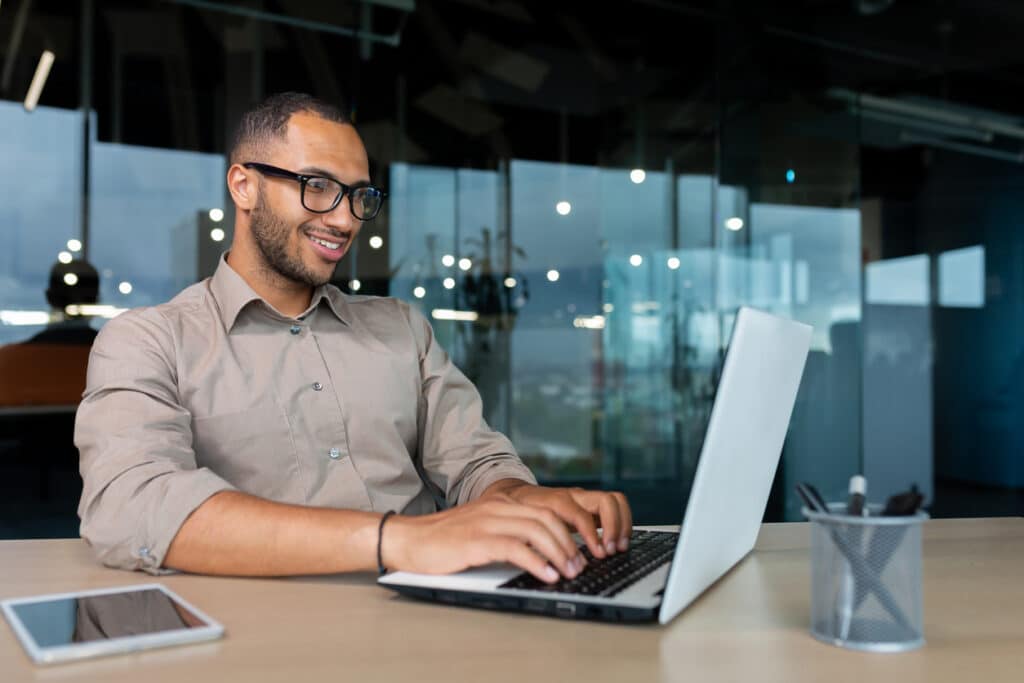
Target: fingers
pixel 512 550
pixel 554 523
pixel 581 519
pixel 626 519
pixel 537 534
pixel 608 510
pixel 616 519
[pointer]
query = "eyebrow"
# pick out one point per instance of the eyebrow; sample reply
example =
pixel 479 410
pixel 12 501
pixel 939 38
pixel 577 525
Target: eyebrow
pixel 316 170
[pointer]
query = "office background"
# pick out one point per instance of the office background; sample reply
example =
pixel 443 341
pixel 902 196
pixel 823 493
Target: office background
pixel 581 197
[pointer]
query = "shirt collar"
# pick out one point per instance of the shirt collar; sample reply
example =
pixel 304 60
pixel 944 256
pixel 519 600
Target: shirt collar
pixel 232 293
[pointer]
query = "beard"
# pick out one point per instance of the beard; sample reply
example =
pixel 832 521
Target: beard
pixel 271 234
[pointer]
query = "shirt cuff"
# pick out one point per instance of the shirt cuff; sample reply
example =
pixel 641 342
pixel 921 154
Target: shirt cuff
pixel 486 475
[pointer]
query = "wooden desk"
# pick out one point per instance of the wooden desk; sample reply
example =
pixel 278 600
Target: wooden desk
pixel 751 626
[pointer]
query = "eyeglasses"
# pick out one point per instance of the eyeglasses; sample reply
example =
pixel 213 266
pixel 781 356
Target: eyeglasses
pixel 320 194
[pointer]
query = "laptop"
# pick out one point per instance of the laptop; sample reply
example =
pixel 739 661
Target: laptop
pixel 663 572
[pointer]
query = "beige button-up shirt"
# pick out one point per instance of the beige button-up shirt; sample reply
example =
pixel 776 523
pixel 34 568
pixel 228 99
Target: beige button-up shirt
pixel 215 390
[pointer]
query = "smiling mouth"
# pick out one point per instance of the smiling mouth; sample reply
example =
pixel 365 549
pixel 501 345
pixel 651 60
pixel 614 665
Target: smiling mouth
pixel 333 243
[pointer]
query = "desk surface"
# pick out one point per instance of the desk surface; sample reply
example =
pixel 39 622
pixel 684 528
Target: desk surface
pixel 751 626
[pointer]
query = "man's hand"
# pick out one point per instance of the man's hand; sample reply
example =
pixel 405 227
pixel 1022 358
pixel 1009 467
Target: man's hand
pixel 494 528
pixel 580 509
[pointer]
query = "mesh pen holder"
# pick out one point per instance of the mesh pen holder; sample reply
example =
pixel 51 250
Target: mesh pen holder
pixel 866 580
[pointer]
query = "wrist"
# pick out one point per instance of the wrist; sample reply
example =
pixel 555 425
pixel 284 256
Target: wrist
pixel 393 542
pixel 507 487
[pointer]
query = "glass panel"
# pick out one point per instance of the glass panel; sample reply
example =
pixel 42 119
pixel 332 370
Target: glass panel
pixel 41 180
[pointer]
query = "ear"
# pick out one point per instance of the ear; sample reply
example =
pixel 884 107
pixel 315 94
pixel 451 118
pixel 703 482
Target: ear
pixel 242 186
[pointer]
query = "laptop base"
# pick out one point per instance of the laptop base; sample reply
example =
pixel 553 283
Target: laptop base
pixel 566 608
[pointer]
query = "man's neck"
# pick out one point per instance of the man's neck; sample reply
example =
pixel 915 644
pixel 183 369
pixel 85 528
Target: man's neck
pixel 287 297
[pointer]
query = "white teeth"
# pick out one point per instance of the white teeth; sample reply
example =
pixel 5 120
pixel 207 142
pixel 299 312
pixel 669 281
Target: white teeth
pixel 329 245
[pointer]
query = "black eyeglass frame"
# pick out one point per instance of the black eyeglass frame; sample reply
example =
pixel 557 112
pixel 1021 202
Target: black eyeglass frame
pixel 302 179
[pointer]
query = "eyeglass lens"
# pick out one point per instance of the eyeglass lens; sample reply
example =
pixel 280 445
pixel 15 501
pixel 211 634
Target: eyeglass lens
pixel 321 193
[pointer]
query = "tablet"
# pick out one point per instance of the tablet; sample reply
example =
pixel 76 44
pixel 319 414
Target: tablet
pixel 68 626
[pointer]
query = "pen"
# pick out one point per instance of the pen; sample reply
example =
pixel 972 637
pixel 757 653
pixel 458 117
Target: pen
pixel 858 491
pixel 848 593
pixel 885 542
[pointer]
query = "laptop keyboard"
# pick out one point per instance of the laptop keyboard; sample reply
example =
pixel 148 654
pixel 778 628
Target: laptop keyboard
pixel 607 577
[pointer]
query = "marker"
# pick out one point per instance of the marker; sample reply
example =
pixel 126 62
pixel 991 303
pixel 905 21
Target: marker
pixel 858 491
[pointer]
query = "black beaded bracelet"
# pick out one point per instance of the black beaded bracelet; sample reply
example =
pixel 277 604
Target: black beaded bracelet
pixel 380 535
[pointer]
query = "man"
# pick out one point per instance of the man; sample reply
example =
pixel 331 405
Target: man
pixel 261 422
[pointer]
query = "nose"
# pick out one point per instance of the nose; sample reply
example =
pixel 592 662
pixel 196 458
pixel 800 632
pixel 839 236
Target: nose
pixel 341 218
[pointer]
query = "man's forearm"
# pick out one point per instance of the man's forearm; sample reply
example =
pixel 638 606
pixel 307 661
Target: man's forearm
pixel 237 534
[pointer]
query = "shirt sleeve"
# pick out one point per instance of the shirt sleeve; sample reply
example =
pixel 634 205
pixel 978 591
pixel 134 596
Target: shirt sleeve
pixel 139 474
pixel 458 449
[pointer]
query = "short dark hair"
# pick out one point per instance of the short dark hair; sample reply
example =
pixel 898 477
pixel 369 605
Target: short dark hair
pixel 269 119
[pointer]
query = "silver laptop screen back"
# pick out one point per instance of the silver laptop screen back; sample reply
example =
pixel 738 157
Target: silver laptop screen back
pixel 749 419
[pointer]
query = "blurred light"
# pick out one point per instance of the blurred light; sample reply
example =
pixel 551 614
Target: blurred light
pixel 790 175
pixel 510 282
pixel 449 283
pixel 608 308
pixel 125 287
pixel 376 242
pixel 419 292
pixel 448 314
pixel 553 275
pixel 735 223
pixel 39 80
pixel 673 262
pixel 465 264
pixel 354 285
pixel 24 317
pixel 70 279
pixel 216 215
pixel 217 235
pixel 98 310
pixel 636 260
pixel 563 208
pixel 447 260
pixel 74 245
pixel 638 175
pixel 589 322
pixel 64 257
pixel 643 307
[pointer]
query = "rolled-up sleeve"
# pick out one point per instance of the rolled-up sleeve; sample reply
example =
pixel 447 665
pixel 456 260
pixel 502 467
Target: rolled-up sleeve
pixel 459 450
pixel 139 473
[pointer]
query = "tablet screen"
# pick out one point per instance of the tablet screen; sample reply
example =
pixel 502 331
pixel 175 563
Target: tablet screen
pixel 88 618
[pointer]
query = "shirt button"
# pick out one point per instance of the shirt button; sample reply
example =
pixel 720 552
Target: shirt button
pixel 295 329
pixel 317 386
pixel 335 453
pixel 144 551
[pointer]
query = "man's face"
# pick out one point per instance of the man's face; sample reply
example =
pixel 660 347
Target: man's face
pixel 297 244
